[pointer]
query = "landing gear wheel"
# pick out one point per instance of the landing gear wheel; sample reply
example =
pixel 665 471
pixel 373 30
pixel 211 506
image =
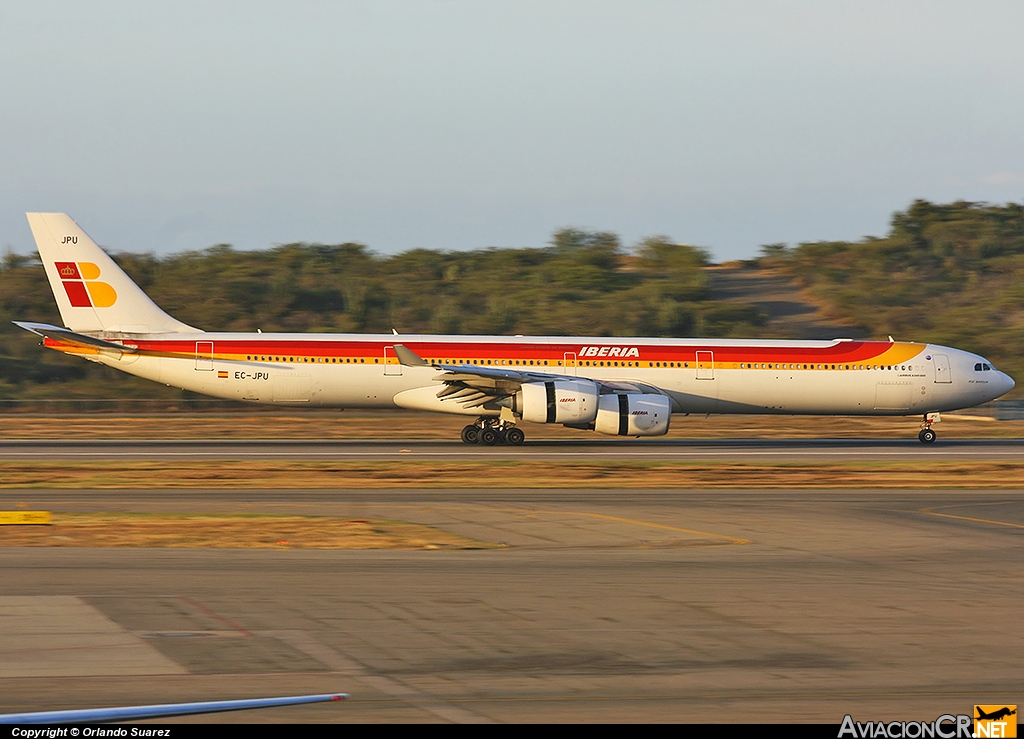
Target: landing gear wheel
pixel 514 437
pixel 488 436
pixel 927 436
pixel 471 434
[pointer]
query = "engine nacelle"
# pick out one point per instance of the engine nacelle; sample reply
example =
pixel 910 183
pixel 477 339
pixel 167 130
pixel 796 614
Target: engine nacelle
pixel 559 401
pixel 633 414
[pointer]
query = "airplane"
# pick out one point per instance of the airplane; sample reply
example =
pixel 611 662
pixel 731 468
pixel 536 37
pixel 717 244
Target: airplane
pixel 995 715
pixel 616 386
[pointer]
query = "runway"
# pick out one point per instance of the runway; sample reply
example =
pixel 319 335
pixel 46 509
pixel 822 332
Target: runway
pixel 756 450
pixel 602 605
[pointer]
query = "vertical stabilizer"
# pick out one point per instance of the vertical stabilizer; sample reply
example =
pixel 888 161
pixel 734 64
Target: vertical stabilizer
pixel 92 292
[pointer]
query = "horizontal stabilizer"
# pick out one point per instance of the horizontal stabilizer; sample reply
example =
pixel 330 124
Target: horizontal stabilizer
pixel 66 336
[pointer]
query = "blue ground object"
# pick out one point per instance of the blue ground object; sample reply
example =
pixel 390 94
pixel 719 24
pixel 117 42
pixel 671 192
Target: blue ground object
pixel 130 713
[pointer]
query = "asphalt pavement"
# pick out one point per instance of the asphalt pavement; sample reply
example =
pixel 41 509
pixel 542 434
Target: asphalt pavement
pixel 602 605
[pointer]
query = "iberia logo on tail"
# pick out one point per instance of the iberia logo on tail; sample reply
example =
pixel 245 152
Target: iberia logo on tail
pixel 79 280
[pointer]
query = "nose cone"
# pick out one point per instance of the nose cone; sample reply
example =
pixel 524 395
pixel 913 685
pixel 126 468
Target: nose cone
pixel 1006 383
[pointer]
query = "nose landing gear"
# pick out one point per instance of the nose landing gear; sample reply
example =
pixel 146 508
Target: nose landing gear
pixel 491 431
pixel 927 435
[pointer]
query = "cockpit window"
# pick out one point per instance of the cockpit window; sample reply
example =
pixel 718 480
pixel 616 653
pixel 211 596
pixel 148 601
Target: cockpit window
pixel 985 367
pixel 977 367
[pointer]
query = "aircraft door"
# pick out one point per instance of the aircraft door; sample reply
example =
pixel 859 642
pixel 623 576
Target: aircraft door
pixel 705 365
pixel 392 367
pixel 942 371
pixel 569 363
pixel 204 356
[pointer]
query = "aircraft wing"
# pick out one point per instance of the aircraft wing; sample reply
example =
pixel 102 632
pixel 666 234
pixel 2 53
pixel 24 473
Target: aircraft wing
pixel 472 386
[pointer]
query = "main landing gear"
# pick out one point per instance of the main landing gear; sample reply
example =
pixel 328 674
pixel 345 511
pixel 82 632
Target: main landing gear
pixel 927 435
pixel 491 431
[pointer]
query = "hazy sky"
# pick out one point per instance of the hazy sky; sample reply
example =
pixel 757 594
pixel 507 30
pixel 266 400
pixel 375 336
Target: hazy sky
pixel 178 125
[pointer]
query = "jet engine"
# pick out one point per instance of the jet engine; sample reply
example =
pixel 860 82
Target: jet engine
pixel 560 401
pixel 633 414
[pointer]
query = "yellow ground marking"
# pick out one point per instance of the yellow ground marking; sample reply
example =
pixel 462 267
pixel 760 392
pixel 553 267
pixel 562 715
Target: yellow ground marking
pixel 731 540
pixel 932 512
pixel 25 518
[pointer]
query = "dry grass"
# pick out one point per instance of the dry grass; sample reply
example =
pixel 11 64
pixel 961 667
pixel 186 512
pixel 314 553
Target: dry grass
pixel 507 474
pixel 230 531
pixel 409 425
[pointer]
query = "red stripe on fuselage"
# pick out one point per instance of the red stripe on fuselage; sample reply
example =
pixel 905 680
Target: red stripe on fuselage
pixel 845 352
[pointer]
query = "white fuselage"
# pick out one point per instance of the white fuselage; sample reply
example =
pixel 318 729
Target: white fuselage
pixel 838 377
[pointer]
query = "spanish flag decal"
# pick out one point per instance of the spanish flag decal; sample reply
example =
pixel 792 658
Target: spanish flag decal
pixel 221 374
pixel 81 286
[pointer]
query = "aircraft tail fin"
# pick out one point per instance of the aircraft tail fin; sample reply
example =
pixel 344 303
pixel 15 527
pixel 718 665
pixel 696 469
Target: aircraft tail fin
pixel 92 292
